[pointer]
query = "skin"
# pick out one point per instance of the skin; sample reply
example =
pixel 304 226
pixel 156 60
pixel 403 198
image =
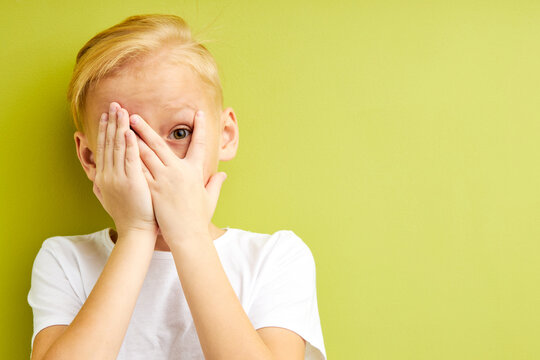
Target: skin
pixel 161 192
pixel 156 91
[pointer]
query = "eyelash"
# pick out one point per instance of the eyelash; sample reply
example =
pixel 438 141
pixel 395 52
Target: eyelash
pixel 186 130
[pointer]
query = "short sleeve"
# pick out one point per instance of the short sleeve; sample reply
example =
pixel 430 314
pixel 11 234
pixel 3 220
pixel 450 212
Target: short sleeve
pixel 51 296
pixel 286 294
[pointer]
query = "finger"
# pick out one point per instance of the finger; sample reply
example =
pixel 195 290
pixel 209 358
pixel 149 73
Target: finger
pixel 146 172
pixel 214 188
pixel 101 142
pixel 149 158
pixel 109 137
pixel 119 153
pixel 153 140
pixel 197 146
pixel 132 159
pixel 97 192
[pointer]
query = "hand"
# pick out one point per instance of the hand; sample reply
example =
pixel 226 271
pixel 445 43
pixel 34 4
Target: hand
pixel 183 203
pixel 120 184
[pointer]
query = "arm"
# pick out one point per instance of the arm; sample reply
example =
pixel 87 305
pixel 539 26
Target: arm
pixel 99 328
pixel 224 330
pixel 223 327
pixel 184 205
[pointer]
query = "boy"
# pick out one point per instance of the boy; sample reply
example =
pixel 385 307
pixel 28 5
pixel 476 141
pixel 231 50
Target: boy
pixel 166 283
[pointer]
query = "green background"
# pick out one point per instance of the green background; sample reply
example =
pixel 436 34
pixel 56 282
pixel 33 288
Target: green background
pixel 398 139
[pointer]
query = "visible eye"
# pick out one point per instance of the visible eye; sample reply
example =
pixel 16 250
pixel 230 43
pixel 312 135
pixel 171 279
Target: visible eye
pixel 180 133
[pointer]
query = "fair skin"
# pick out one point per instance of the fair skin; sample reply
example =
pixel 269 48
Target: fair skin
pixel 161 188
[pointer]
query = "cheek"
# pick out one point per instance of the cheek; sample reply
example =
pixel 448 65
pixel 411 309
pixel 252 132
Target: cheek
pixel 179 149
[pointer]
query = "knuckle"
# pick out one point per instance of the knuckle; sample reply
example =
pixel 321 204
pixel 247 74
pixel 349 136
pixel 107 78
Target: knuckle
pixel 130 159
pixel 118 145
pixel 116 182
pixel 108 179
pixel 161 146
pixel 152 144
pixel 103 180
pixel 199 142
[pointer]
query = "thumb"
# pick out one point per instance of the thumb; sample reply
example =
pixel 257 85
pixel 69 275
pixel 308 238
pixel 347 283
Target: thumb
pixel 214 188
pixel 97 192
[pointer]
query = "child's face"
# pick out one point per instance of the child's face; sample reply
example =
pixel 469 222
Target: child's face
pixel 167 97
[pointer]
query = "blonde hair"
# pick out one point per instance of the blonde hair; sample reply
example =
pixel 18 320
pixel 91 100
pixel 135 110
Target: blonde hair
pixel 134 39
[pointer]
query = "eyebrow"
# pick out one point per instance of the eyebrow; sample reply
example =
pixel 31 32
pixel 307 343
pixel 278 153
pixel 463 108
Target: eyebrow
pixel 178 107
pixel 177 118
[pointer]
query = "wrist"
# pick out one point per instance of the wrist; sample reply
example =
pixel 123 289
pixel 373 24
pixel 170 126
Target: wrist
pixel 137 234
pixel 179 240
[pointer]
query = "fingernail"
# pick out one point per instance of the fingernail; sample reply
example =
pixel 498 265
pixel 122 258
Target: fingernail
pixel 134 119
pixel 120 113
pixel 103 117
pixel 112 108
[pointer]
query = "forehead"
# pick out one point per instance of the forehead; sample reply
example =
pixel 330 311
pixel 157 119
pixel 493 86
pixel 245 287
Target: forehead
pixel 148 86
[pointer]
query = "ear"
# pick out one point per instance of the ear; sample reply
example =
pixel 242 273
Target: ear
pixel 228 144
pixel 85 154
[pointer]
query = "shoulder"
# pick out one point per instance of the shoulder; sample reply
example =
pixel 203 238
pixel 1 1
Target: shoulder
pixel 279 239
pixel 290 241
pixel 71 248
pixel 278 247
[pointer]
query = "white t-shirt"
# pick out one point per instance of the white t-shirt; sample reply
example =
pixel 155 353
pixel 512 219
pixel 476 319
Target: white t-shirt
pixel 272 275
